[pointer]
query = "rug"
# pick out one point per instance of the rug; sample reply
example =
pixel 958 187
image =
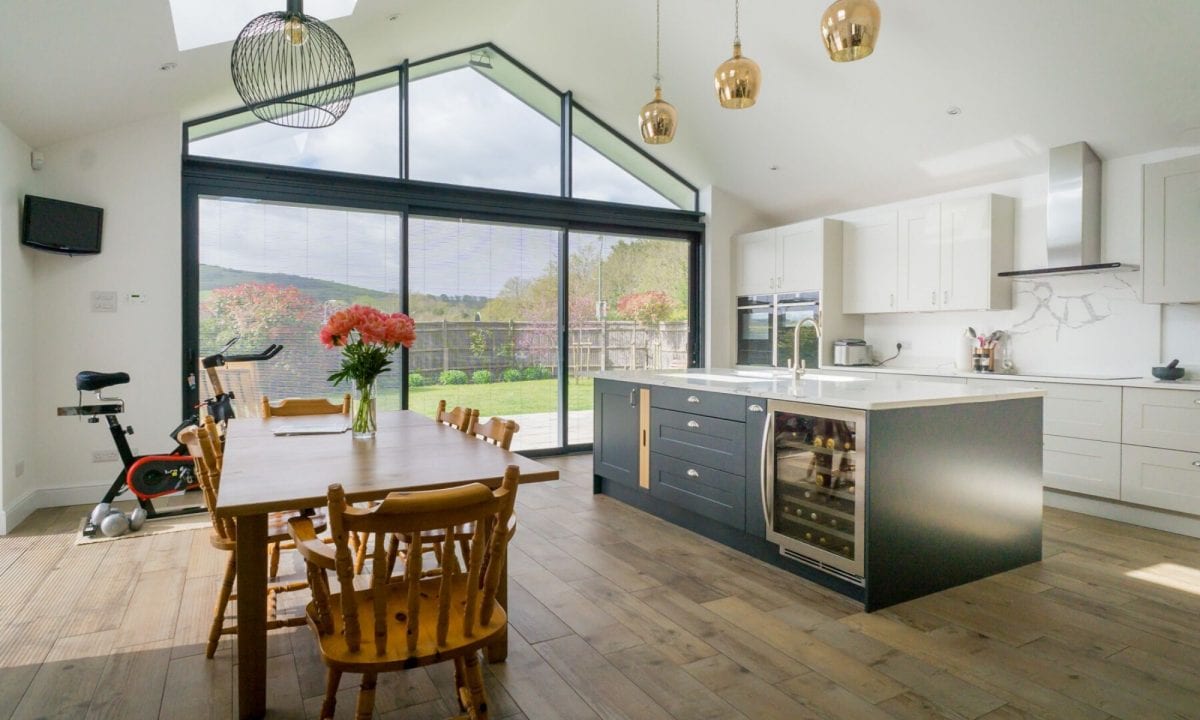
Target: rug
pixel 156 526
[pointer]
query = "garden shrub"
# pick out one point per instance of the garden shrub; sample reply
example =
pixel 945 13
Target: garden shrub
pixel 510 375
pixel 416 379
pixel 536 372
pixel 452 377
pixel 481 377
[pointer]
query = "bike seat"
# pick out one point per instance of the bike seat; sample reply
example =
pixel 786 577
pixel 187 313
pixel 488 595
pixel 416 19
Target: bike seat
pixel 92 380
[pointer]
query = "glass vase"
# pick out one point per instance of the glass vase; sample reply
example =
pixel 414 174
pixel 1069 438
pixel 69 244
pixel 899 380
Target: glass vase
pixel 362 411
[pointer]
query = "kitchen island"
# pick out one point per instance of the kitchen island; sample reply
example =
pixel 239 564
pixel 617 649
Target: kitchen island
pixel 883 489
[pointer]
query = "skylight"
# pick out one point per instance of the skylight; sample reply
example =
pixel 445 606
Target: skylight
pixel 198 24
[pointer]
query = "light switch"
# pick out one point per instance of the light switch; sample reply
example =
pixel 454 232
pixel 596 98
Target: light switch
pixel 104 301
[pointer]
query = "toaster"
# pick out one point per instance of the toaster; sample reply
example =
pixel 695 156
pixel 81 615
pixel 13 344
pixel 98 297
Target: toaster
pixel 851 351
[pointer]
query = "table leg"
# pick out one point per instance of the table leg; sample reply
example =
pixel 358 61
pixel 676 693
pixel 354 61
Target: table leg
pixel 252 615
pixel 497 652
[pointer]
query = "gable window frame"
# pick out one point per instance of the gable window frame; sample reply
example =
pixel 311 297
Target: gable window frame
pixel 216 177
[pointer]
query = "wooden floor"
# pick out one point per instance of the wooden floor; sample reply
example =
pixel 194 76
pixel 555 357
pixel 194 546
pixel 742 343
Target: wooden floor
pixel 618 615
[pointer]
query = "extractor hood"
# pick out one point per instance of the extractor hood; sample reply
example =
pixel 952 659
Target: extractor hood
pixel 1073 215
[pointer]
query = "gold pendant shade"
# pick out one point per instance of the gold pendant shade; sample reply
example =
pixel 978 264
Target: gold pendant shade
pixel 850 28
pixel 658 120
pixel 737 81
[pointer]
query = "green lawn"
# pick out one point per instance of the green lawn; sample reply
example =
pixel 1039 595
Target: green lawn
pixel 516 398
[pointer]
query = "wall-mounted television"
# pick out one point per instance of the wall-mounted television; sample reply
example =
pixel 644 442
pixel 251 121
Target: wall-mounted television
pixel 61 226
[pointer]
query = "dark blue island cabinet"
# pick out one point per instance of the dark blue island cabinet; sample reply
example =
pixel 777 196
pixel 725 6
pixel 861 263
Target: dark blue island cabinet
pixel 945 496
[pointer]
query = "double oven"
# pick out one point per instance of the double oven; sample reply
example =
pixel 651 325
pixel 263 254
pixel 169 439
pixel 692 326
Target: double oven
pixel 766 325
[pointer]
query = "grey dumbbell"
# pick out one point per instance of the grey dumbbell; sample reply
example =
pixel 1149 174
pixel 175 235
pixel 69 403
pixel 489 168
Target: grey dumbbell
pixel 99 513
pixel 137 518
pixel 114 524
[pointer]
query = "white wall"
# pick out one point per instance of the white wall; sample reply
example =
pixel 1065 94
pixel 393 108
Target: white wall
pixel 133 173
pixel 16 352
pixel 1082 324
pixel 725 215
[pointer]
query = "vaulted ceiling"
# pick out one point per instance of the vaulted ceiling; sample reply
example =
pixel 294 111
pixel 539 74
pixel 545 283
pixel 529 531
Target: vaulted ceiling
pixel 1027 75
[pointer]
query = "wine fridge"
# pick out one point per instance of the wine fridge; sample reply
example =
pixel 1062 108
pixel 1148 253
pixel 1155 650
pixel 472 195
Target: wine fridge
pixel 813 483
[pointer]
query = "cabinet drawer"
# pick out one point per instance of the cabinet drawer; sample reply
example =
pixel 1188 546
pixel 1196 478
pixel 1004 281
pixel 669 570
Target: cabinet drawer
pixel 1083 466
pixel 1162 418
pixel 715 443
pixel 718 405
pixel 716 495
pixel 1167 479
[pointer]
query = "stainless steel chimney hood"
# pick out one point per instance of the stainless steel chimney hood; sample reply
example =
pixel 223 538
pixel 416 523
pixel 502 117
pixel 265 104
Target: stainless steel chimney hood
pixel 1073 215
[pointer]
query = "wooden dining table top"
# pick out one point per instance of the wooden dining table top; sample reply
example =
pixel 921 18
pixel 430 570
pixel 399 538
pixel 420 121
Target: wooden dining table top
pixel 266 472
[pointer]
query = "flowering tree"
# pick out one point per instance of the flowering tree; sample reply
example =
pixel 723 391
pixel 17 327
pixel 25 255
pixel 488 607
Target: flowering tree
pixel 649 307
pixel 258 312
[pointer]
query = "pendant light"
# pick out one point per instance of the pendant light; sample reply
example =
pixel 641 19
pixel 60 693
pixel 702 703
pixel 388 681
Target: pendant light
pixel 738 78
pixel 658 117
pixel 849 29
pixel 291 69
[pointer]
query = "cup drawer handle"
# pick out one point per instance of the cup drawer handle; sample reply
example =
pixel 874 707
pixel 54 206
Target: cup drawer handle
pixel 693 399
pixel 693 424
pixel 692 473
pixel 1196 463
pixel 755 408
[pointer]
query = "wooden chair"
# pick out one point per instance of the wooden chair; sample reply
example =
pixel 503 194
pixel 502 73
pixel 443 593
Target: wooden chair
pixel 290 407
pixel 224 537
pixel 497 431
pixel 459 418
pixel 412 620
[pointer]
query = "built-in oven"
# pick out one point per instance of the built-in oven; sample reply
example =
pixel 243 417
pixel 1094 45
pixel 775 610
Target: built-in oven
pixel 813 485
pixel 766 328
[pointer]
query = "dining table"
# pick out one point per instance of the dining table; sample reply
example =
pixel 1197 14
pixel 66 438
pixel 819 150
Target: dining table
pixel 288 463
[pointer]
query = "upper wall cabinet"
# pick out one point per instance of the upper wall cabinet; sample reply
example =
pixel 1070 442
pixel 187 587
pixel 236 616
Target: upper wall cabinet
pixel 935 256
pixel 783 259
pixel 1171 231
pixel 869 277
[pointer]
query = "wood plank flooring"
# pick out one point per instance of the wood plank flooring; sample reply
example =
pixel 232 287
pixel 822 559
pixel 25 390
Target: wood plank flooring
pixel 616 614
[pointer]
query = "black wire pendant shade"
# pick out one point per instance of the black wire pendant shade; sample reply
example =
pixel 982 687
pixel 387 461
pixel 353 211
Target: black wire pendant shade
pixel 291 69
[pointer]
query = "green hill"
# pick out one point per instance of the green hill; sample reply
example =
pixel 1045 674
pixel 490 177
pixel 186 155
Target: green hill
pixel 422 306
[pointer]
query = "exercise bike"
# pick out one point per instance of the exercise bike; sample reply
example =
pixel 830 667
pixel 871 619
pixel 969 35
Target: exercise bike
pixel 152 476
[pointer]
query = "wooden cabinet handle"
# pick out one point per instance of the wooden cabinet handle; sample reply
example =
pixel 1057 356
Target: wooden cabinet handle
pixel 693 399
pixel 693 424
pixel 692 473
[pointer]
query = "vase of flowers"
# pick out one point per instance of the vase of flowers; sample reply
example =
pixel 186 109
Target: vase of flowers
pixel 367 337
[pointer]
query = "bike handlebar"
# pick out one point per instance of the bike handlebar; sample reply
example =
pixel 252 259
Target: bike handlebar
pixel 271 351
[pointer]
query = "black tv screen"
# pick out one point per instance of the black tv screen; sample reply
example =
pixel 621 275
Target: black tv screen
pixel 61 226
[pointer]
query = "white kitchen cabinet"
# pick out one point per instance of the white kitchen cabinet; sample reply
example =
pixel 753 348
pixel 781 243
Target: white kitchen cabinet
pixel 1083 466
pixel 1167 479
pixel 1090 412
pixel 869 276
pixel 756 259
pixel 1171 226
pixel 920 250
pixel 976 244
pixel 939 256
pixel 1162 418
pixel 783 259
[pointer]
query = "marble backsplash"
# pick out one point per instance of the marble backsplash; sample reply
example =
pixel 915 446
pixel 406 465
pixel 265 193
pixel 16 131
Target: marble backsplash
pixel 1092 324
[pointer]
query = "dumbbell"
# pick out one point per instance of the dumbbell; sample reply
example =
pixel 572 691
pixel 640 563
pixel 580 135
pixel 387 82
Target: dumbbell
pixel 112 522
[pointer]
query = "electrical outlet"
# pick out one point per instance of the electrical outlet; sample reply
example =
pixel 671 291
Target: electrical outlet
pixel 102 456
pixel 104 301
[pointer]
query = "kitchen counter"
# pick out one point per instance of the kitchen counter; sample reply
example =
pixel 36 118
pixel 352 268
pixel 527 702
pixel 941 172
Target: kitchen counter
pixel 1110 379
pixel 820 388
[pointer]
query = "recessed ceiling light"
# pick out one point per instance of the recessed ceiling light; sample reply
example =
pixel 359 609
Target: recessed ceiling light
pixel 167 66
pixel 954 110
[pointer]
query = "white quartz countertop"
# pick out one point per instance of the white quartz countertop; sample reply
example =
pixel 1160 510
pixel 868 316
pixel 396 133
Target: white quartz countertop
pixel 1075 379
pixel 821 388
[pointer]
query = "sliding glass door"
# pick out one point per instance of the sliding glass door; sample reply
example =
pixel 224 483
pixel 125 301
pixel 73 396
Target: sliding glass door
pixel 272 272
pixel 485 299
pixel 629 302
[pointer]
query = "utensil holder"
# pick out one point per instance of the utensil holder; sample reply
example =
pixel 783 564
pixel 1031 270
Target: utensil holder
pixel 983 359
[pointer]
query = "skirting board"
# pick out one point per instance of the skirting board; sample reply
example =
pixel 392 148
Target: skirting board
pixel 1122 512
pixel 12 516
